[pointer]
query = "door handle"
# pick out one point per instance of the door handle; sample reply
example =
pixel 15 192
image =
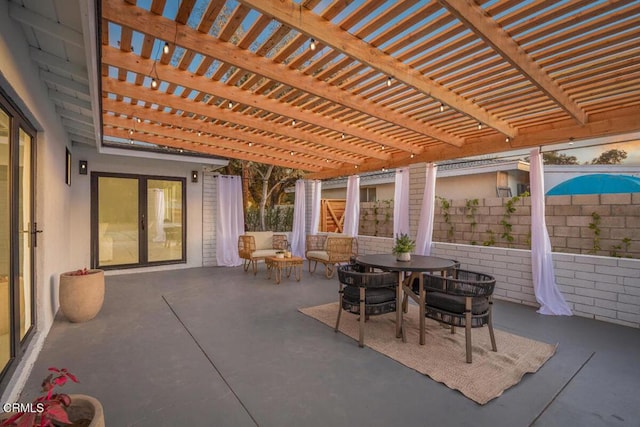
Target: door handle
pixel 34 234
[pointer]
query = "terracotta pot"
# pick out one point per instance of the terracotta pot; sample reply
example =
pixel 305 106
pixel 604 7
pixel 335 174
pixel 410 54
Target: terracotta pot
pixel 81 296
pixel 84 411
pixel 85 408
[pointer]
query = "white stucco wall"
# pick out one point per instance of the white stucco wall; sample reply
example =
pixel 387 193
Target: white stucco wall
pixel 19 77
pixel 81 206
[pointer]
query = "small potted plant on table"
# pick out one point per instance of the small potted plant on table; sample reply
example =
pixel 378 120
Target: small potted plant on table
pixel 403 247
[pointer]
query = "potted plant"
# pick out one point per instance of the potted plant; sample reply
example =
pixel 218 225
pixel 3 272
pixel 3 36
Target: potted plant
pixel 57 409
pixel 81 294
pixel 403 247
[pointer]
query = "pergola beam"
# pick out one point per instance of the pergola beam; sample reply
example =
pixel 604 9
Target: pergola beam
pixel 217 113
pixel 477 20
pixel 157 26
pixel 614 122
pixel 115 57
pixel 241 136
pixel 215 148
pixel 295 16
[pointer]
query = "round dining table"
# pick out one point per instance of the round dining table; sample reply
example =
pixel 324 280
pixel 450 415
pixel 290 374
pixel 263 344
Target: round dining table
pixel 416 266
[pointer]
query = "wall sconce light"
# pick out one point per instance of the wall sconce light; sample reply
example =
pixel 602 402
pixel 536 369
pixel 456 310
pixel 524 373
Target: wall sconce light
pixel 83 167
pixel 194 176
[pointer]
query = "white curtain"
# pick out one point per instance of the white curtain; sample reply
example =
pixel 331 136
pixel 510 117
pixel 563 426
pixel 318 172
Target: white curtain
pixel 401 202
pixel 299 214
pixel 544 283
pixel 352 210
pixel 230 220
pixel 159 213
pixel 425 226
pixel 316 195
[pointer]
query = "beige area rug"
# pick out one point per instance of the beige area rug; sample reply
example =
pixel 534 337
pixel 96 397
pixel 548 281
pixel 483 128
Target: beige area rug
pixel 443 356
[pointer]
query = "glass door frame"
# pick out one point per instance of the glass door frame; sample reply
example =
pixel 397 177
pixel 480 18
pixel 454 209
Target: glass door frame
pixel 142 220
pixel 18 346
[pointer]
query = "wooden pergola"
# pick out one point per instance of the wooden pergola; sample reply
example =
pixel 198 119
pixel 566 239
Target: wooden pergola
pixel 345 86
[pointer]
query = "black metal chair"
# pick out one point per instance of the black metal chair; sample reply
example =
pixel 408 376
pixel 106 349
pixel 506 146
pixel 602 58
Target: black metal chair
pixel 464 301
pixel 366 294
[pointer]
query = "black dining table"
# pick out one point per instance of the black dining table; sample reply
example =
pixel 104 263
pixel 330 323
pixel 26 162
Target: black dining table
pixel 416 266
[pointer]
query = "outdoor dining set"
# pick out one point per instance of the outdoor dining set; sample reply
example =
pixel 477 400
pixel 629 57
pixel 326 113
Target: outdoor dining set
pixel 378 284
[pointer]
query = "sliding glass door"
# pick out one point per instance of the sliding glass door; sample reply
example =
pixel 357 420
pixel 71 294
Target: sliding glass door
pixel 137 220
pixel 17 234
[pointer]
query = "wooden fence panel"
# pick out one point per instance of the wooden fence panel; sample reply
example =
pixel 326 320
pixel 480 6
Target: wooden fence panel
pixel 332 215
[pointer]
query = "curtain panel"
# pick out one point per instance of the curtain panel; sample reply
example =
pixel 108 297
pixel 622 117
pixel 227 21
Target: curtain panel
pixel 229 221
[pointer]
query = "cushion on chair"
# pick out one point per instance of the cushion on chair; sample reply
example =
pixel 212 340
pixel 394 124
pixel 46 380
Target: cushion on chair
pixel 455 304
pixel 372 295
pixel 262 253
pixel 263 239
pixel 323 255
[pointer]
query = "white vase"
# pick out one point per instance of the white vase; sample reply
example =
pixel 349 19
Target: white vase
pixel 403 256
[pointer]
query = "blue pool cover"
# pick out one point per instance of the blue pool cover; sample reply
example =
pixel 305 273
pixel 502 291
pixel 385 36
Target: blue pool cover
pixel 599 183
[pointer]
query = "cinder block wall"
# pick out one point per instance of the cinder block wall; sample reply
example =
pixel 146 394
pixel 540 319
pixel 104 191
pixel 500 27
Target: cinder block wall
pixel 571 221
pixel 596 287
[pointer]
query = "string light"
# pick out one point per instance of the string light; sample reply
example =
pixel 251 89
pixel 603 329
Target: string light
pixel 154 82
pixel 250 144
pixel 165 49
pixel 293 122
pixel 342 135
pixel 199 133
pixel 312 45
pixel 412 155
pixel 130 131
pixel 507 139
pixel 441 107
pixel 382 147
pixel 291 153
pixel 389 82
pixel 479 125
pixel 230 104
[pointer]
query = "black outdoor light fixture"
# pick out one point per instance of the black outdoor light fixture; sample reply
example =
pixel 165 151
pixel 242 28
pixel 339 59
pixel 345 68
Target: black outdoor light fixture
pixel 83 167
pixel 194 176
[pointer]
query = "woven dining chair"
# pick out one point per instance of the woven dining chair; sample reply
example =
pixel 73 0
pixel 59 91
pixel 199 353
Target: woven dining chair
pixel 365 294
pixel 463 301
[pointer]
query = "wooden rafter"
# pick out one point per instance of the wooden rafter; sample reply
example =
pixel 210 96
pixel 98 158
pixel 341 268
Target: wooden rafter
pixel 240 73
pixel 322 30
pixel 158 26
pixel 477 20
pixel 169 74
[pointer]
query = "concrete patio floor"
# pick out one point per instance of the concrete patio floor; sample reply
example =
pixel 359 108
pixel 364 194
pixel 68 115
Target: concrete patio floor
pixel 221 347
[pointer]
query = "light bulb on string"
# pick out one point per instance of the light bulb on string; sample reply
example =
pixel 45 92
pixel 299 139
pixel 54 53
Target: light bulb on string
pixel 312 45
pixel 165 48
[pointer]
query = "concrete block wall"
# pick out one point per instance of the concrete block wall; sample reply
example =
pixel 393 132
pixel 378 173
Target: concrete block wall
pixel 568 223
pixel 596 287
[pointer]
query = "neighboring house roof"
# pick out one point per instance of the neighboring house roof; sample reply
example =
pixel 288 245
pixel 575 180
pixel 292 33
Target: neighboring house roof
pixel 445 169
pixel 597 184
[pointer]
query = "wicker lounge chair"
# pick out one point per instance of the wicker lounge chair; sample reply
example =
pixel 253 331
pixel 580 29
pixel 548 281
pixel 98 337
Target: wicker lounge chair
pixel 330 250
pixel 258 245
